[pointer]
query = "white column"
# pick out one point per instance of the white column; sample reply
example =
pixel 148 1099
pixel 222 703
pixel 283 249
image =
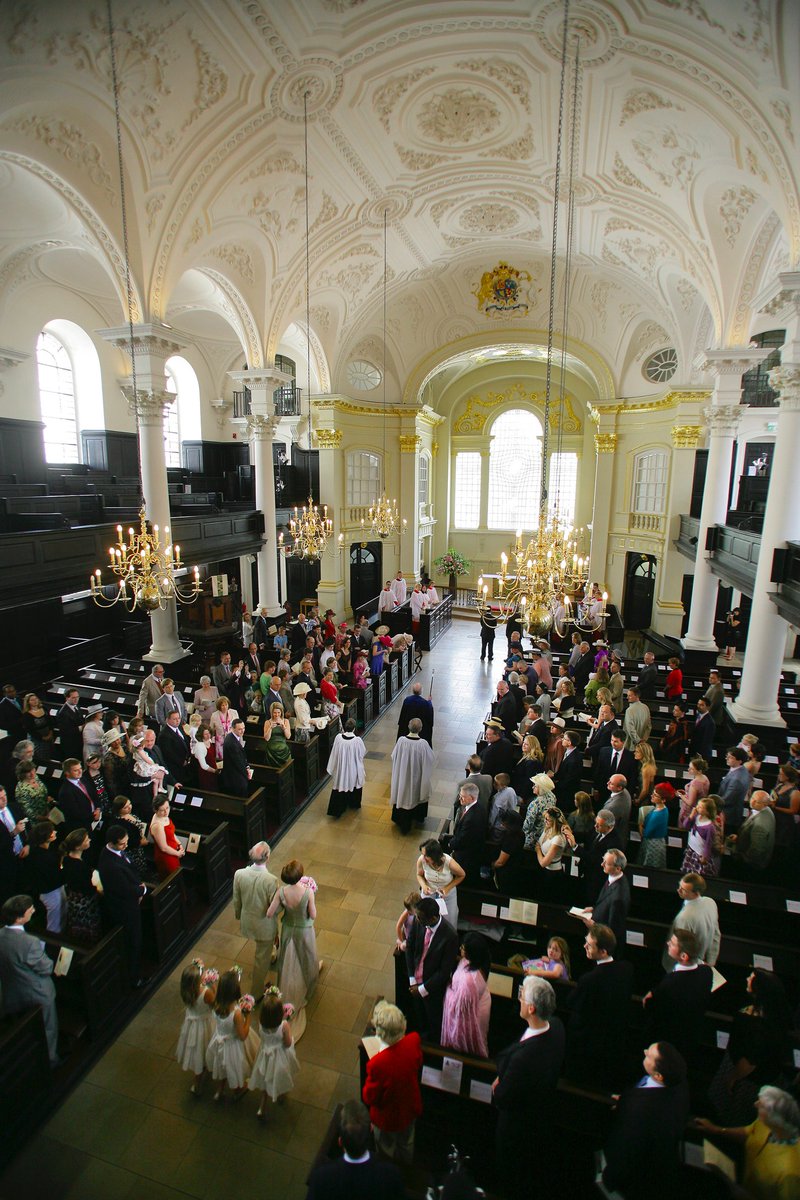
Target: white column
pixel 605 444
pixel 408 505
pixel 766 638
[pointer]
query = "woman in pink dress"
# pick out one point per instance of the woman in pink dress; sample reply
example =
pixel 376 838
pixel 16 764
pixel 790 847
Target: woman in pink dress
pixel 361 669
pixel 467 1001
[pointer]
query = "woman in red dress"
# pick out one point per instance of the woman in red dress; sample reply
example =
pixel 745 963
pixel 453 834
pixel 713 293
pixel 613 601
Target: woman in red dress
pixel 673 689
pixel 167 850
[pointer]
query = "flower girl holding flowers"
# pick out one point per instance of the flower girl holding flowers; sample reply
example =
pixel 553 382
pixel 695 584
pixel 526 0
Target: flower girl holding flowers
pixel 233 1047
pixel 276 1064
pixel 198 993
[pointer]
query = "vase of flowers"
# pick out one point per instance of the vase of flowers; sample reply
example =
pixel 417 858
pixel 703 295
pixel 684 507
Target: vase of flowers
pixel 452 564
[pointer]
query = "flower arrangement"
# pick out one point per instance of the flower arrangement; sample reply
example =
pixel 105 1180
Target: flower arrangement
pixel 309 883
pixel 288 1011
pixel 247 1003
pixel 452 563
pixel 210 977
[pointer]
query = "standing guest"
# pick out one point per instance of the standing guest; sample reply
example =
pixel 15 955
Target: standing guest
pixel 376 658
pixel 205 698
pixel 95 782
pixel 302 713
pixel 636 721
pixel 38 728
pixel 509 866
pixel 785 801
pixel 399 589
pixel 553 965
pixel 169 701
pixel 75 800
pixel 613 759
pixel 174 747
pixel 150 693
pixel 488 627
pixel 26 970
pixel 122 896
pixel 734 788
pixel 675 1008
pixel 614 901
pixel 606 837
pixel 361 672
pixel 391 1086
pixel 198 993
pixel 221 722
pixel 654 828
pixel 82 900
pixel 484 783
pixel 674 743
pixel 431 953
pixel 468 1001
pixel 601 728
pixel 771 1146
pixel 22 752
pixel 715 698
pixel 580 822
pixel 346 767
pixel 236 775
pixel 498 754
pixel 254 888
pixel 69 722
pixel 221 674
pixel 642 1151
pixel 701 742
pixel 696 789
pixel 412 763
pixel 733 627
pixel 204 751
pixel 438 875
pixel 330 696
pixel 45 872
pixel 618 802
pixel 530 764
pixel 416 705
pixel 598 1012
pixel 647 770
pixel 648 677
pixel 543 798
pixel 167 850
pixel 503 800
pixel 584 664
pixel 673 686
pixel 754 844
pixel 468 838
pixel 252 659
pixel 525 1088
pixel 357 1175
pixel 92 734
pixel 298 965
pixel 567 777
pixel 698 914
pixel 11 712
pixel 121 813
pixel 31 795
pixel 232 1049
pixel 704 844
pixel 616 686
pixel 554 751
pixel 549 850
pixel 276 1064
pixel 277 733
pixel 149 773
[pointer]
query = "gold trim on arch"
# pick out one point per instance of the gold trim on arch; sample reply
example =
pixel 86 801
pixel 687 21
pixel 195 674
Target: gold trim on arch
pixel 328 439
pixel 473 420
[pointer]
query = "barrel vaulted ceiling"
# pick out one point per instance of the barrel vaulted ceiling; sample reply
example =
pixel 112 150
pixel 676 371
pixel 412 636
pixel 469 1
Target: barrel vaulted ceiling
pixel 444 115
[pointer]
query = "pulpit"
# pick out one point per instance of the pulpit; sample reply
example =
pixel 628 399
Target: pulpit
pixel 210 618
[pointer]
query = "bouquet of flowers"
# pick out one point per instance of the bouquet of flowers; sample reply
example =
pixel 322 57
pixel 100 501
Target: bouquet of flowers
pixel 210 977
pixel 309 883
pixel 247 1003
pixel 452 563
pixel 288 1011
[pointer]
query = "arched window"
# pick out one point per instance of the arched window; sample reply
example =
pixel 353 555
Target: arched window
pixel 424 478
pixel 172 424
pixel 467 492
pixel 649 482
pixel 563 484
pixel 57 400
pixel 515 471
pixel 363 478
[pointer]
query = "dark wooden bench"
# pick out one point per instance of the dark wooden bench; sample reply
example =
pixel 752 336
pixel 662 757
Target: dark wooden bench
pixel 94 987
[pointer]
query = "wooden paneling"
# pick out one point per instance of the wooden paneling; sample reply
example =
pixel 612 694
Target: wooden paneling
pixel 22 450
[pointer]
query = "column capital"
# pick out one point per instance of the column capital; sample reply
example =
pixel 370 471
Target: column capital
pixel 731 360
pixel 409 443
pixel 149 406
pixel 151 338
pixel 786 381
pixel 723 419
pixel 605 443
pixel 261 428
pixel 686 437
pixel 781 298
pixel 328 439
pixel 266 378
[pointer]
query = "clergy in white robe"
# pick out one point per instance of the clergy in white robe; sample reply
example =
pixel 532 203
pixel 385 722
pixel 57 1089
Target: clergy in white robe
pixel 412 763
pixel 418 602
pixel 346 767
pixel 386 600
pixel 399 589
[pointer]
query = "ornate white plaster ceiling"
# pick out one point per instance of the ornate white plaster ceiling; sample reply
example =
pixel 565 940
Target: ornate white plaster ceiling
pixel 442 114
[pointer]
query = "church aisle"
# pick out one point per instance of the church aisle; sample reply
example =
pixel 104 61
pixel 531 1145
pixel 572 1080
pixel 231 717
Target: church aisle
pixel 132 1129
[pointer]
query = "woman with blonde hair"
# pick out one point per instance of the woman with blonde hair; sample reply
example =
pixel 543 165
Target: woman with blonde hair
pixel 391 1088
pixel 529 765
pixel 544 797
pixel 552 843
pixel 647 769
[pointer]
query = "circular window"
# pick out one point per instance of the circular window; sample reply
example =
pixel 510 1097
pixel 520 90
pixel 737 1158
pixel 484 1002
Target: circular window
pixel 661 366
pixel 362 375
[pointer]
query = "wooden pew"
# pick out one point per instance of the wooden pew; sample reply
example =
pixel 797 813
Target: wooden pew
pixel 210 868
pixel 25 1075
pixel 94 987
pixel 246 818
pixel 164 919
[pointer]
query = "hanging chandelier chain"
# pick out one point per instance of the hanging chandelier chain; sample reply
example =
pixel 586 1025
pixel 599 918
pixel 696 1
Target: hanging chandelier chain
pixel 385 282
pixel 308 284
pixel 568 258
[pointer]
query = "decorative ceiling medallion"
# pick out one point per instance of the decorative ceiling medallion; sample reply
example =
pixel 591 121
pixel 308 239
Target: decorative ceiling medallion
pixel 396 204
pixel 503 291
pixel 458 115
pixel 320 77
pixel 661 366
pixel 599 34
pixel 488 218
pixel 362 375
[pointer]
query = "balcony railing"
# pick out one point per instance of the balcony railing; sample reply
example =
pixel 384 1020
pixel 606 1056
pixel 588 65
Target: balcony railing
pixel 286 401
pixel 642 522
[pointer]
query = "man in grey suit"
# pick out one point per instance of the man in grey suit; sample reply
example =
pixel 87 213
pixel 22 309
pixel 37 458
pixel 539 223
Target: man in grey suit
pixel 754 844
pixel 25 970
pixel 151 692
pixel 618 802
pixel 253 890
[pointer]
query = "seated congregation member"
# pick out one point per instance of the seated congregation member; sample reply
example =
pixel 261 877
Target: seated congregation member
pixel 598 1012
pixel 771 1146
pixel 567 777
pixel 431 954
pixel 642 1150
pixel 553 965
pixel 391 1087
pixel 525 1088
pixel 613 902
pixel 674 1009
pixel 358 1174
pixel 412 763
pixel 25 970
pixel 467 1001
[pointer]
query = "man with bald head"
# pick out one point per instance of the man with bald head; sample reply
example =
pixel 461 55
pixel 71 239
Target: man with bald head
pixel 754 844
pixel 253 889
pixel 618 802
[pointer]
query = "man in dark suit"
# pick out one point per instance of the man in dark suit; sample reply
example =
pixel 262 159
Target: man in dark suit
pixel 417 706
pixel 598 1010
pixel 75 799
pixel 613 903
pixel 11 712
pixel 174 747
pixel 648 678
pixel 504 708
pixel 467 841
pixel 606 837
pixel 70 720
pixel 12 830
pixel 236 775
pixel 703 733
pixel 122 896
pixel 525 1088
pixel 253 660
pixel 498 756
pixel 582 669
pixel 603 725
pixel 618 802
pixel 357 1175
pixel 431 953
pixel 614 759
pixel 642 1150
pixel 567 776
pixel 674 1010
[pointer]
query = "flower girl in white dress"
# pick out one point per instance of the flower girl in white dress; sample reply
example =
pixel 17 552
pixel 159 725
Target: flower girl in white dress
pixel 198 993
pixel 275 1067
pixel 233 1047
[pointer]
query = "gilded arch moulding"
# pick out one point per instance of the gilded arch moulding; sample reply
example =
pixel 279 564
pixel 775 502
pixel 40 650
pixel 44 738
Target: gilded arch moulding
pixel 477 410
pixel 328 439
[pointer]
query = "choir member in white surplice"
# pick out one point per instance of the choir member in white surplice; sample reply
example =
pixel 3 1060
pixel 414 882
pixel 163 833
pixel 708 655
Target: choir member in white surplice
pixel 412 762
pixel 346 766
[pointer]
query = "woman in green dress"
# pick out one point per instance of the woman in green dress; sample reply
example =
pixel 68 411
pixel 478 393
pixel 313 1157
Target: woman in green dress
pixel 277 732
pixel 298 966
pixel 30 793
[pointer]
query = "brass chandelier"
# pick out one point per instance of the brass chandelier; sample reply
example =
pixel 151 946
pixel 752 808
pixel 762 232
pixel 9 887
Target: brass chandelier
pixel 145 570
pixel 384 515
pixel 310 529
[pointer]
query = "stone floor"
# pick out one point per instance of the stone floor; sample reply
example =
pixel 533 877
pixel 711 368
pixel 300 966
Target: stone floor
pixel 132 1129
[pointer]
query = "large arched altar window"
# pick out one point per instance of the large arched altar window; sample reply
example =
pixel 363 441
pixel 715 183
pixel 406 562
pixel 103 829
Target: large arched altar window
pixel 515 471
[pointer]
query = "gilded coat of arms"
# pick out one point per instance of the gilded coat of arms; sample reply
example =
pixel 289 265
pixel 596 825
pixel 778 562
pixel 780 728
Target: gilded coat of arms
pixel 503 290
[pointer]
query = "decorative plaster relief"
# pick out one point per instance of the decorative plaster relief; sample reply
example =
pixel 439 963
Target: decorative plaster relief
pixel 320 79
pixel 386 98
pixel 735 204
pixel 410 443
pixel 687 293
pixel 328 439
pixel 418 160
pixel 68 141
pixel 650 334
pixel 625 175
pixel 520 148
pixel 280 163
pixel 643 99
pixel 507 74
pixel 237 258
pixel 153 206
pixel 458 117
pixel 605 443
pixel 686 437
pixel 671 154
pixel 784 114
